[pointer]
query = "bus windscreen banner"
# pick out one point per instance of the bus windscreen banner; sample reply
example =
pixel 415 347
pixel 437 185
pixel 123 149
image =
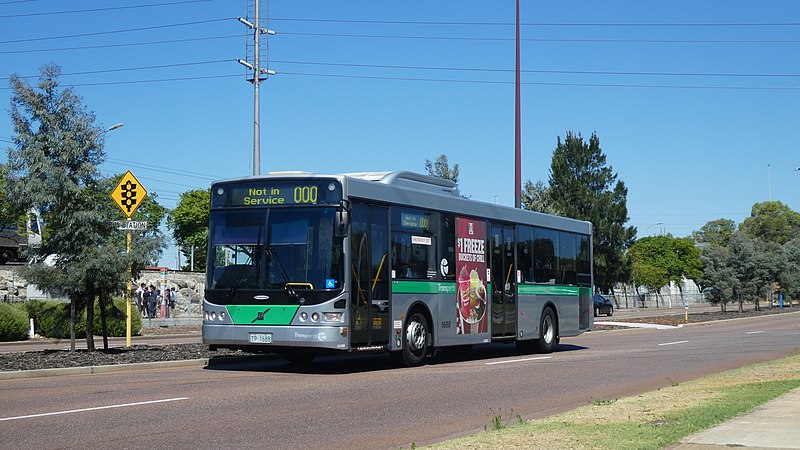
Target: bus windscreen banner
pixel 471 280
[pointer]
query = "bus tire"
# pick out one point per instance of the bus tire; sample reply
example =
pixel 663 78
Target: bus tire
pixel 548 332
pixel 416 341
pixel 300 357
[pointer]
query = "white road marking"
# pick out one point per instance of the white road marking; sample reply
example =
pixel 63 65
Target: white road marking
pixel 754 332
pixel 93 409
pixel 673 343
pixel 518 360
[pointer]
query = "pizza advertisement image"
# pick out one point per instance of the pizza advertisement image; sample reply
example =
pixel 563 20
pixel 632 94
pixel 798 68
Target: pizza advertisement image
pixel 471 276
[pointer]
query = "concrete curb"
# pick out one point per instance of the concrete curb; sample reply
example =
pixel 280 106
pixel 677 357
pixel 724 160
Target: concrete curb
pixel 111 368
pixel 640 325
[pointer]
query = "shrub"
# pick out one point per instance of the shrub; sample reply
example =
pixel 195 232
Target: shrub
pixel 13 322
pixel 116 323
pixel 51 319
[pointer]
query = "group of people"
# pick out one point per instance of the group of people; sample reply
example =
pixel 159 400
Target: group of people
pixel 150 299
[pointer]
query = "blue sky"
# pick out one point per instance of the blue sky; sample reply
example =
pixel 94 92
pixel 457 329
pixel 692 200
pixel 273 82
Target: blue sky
pixel 695 103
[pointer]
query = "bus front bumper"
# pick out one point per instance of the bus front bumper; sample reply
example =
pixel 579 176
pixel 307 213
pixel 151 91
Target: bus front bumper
pixel 264 337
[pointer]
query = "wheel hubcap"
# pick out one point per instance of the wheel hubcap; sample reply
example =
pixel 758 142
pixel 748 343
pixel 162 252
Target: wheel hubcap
pixel 415 335
pixel 548 333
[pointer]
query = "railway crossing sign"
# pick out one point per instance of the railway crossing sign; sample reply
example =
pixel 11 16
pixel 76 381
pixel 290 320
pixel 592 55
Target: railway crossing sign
pixel 128 194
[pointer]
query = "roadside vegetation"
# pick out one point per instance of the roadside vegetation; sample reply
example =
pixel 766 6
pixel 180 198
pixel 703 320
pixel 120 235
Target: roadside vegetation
pixel 649 421
pixel 51 319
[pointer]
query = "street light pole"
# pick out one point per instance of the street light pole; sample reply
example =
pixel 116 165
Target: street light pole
pixel 651 226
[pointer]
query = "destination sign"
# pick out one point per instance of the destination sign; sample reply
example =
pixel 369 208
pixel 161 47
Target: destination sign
pixel 277 193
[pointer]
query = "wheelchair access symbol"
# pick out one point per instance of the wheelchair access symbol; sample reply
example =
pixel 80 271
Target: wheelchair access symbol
pixel 128 194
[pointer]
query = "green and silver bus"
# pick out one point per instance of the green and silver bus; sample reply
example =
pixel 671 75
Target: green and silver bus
pixel 397 262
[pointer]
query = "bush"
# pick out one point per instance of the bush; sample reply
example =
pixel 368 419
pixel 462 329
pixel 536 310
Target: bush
pixel 51 319
pixel 13 322
pixel 116 323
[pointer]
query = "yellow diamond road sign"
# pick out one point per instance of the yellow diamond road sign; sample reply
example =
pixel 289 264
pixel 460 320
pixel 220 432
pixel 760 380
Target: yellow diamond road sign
pixel 128 194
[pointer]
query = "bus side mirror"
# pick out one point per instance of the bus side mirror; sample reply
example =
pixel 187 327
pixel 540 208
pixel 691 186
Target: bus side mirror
pixel 342 220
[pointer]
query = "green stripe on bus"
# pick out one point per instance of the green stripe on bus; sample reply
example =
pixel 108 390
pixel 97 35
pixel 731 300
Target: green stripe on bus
pixel 262 314
pixel 423 287
pixel 539 289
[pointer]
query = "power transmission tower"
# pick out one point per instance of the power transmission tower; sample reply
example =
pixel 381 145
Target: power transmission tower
pixel 256 10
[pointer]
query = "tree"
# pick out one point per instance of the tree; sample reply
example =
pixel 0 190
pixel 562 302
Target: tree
pixel 772 222
pixel 659 260
pixel 584 188
pixel 536 197
pixel 441 169
pixel 53 167
pixel 189 224
pixel 715 232
pixel 718 278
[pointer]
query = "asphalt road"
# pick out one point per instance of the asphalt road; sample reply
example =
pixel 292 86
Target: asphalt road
pixel 362 401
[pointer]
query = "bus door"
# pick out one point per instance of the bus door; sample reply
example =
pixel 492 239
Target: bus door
pixel 369 250
pixel 504 281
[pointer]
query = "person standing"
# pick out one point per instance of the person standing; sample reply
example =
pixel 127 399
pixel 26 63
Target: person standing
pixel 152 301
pixel 140 300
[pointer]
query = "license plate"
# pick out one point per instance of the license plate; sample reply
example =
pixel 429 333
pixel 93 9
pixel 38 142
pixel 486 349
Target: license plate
pixel 261 338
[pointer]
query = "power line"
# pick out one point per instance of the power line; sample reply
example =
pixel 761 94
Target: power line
pixel 544 24
pixel 459 81
pixel 561 72
pixel 172 171
pixel 131 69
pixel 440 80
pixel 172 41
pixel 587 40
pixel 127 30
pixel 114 8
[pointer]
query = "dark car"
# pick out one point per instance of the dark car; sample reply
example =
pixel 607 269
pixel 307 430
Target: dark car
pixel 603 305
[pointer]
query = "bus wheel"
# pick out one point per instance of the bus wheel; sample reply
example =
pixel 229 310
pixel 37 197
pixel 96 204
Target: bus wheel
pixel 300 358
pixel 548 332
pixel 416 340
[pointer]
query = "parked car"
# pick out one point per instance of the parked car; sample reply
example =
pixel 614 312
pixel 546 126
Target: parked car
pixel 603 305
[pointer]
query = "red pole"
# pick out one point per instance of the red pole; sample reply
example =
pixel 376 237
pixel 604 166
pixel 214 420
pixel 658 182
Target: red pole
pixel 518 133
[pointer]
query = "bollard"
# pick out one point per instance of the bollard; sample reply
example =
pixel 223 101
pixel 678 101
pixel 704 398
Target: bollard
pixel 31 333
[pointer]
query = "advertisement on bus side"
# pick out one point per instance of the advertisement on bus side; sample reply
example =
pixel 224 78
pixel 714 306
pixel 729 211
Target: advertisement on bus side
pixel 471 279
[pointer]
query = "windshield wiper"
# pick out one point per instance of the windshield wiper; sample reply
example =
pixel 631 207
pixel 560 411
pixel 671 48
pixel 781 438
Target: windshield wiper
pixel 255 257
pixel 287 282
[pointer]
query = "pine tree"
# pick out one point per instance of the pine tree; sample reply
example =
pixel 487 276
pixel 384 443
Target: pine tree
pixel 583 187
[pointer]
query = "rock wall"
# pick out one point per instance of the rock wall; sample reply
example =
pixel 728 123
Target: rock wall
pixel 190 287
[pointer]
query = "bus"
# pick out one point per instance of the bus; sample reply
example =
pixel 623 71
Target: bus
pixel 13 240
pixel 396 262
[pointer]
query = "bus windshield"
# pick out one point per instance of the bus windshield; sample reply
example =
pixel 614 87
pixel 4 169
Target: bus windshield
pixel 278 250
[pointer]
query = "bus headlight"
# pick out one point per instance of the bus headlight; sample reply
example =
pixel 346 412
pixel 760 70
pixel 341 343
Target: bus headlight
pixel 332 317
pixel 315 317
pixel 303 316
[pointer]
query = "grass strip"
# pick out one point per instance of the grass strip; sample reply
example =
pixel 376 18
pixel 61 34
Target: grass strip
pixel 649 421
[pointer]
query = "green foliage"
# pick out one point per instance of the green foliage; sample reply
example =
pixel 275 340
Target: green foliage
pixel 718 277
pixel 772 222
pixel 189 224
pixel 54 167
pixel 51 318
pixel 584 188
pixel 657 260
pixel 536 197
pixel 441 169
pixel 116 321
pixel 13 322
pixel 715 232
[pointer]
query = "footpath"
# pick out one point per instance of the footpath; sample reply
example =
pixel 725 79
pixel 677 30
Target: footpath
pixel 773 425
